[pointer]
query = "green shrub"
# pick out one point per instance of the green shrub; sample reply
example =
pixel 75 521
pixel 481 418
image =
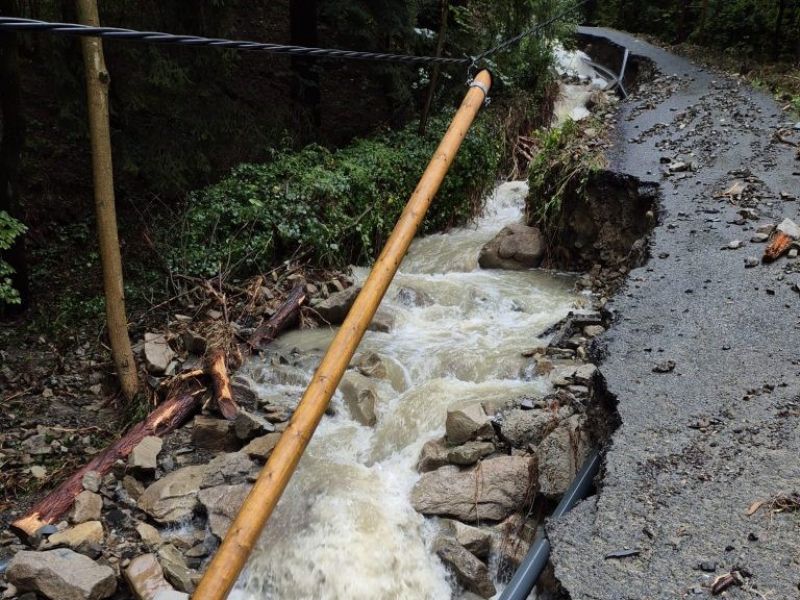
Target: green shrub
pixel 10 229
pixel 337 207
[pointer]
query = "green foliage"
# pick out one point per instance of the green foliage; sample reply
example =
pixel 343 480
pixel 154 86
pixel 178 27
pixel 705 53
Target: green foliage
pixel 745 28
pixel 337 206
pixel 10 229
pixel 562 164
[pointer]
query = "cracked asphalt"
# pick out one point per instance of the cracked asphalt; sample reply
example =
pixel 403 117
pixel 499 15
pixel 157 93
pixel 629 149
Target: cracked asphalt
pixel 699 444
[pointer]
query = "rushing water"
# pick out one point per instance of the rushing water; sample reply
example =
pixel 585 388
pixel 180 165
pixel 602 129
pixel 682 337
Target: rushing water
pixel 345 528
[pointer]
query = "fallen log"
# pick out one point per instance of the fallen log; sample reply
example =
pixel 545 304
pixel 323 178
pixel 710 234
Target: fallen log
pixel 165 418
pixel 221 383
pixel 283 317
pixel 180 405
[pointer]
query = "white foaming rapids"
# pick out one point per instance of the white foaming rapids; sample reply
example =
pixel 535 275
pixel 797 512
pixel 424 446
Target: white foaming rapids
pixel 345 528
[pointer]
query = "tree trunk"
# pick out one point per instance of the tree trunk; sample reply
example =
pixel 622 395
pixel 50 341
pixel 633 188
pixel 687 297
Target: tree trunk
pixel 305 86
pixel 97 80
pixel 166 418
pixel 13 137
pixel 444 10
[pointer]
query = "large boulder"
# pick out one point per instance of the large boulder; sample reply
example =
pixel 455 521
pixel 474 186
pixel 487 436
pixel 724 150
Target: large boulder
pixel 491 491
pixel 465 423
pixel 335 307
pixel 517 247
pixel 61 574
pixel 361 396
pixel 469 453
pixel 144 456
pixel 523 427
pixel 470 571
pixel 561 454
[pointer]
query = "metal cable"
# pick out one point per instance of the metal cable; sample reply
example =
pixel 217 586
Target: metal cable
pixel 156 37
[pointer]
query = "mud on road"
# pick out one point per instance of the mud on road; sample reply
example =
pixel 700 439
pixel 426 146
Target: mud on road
pixel 702 359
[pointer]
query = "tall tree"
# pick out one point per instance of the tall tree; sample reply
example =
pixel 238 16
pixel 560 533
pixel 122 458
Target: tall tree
pixel 97 81
pixel 444 11
pixel 304 32
pixel 10 156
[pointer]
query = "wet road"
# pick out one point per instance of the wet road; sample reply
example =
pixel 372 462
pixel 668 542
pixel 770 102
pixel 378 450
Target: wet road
pixel 700 444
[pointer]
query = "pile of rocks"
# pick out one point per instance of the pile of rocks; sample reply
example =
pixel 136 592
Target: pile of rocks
pixel 499 460
pixel 151 523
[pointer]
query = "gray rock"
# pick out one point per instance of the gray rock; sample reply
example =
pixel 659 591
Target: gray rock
pixel 87 507
pixel 370 364
pixel 91 481
pixel 78 537
pixel 261 447
pixel 516 247
pixel 751 262
pixel 334 309
pixel 61 574
pixel 561 454
pixel 175 569
pixel 361 397
pixel 468 423
pixel 149 534
pixel 145 577
pixel 173 498
pixel 214 434
pixel 221 504
pixel 247 426
pixel 133 487
pixel 759 238
pixel 413 297
pixel 470 571
pixel 521 428
pixel 382 322
pixel 593 330
pixel 432 456
pixel 469 453
pixel 491 492
pixel 144 457
pixel 476 540
pixel 790 228
pixel 157 352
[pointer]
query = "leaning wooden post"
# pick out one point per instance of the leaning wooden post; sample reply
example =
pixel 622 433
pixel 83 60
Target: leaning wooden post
pixel 259 504
pixel 97 80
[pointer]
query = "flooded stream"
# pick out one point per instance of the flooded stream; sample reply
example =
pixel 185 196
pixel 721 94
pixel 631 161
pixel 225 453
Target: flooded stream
pixel 345 528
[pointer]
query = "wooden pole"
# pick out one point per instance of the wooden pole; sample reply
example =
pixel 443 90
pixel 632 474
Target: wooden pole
pixel 259 504
pixel 97 80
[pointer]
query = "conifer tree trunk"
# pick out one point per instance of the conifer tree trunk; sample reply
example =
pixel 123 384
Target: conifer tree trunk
pixel 97 81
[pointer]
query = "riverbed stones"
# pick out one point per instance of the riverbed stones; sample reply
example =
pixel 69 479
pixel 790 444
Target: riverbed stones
pixel 144 456
pixel 145 577
pixel 149 534
pixel 173 498
pixel 470 571
pixel 432 456
pixel 360 396
pixel 476 540
pixel 80 537
pixel 175 568
pixel 561 454
pixel 61 574
pixel 87 507
pixel 465 423
pixel 521 428
pixel 491 491
pixel 222 503
pixel 517 247
pixel 247 425
pixel 469 453
pixel 157 353
pixel 335 307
